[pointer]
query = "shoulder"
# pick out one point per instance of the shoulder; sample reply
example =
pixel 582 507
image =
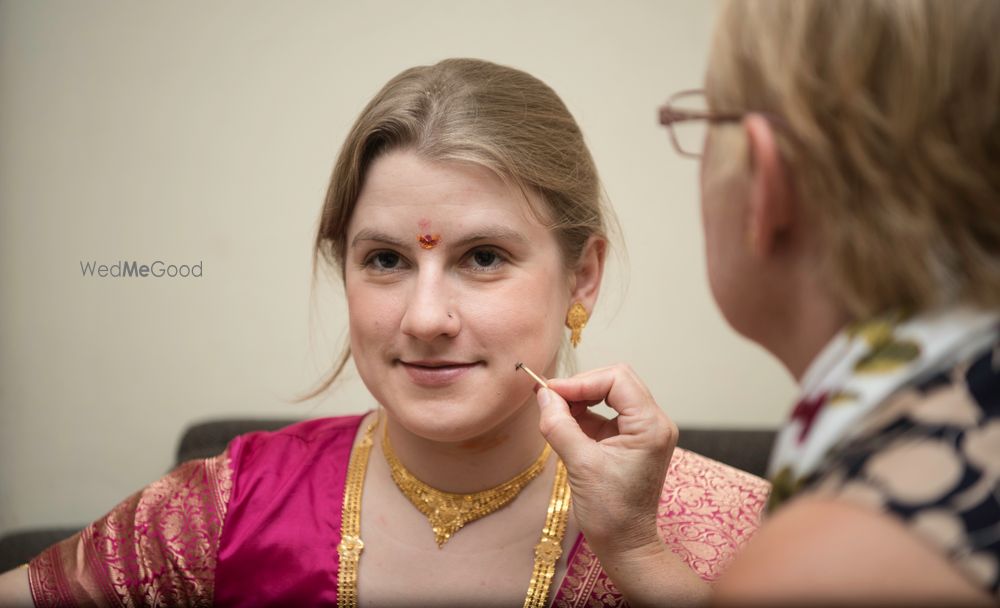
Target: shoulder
pixel 689 469
pixel 318 429
pixel 832 551
pixel 264 465
pixel 161 542
pixel 294 440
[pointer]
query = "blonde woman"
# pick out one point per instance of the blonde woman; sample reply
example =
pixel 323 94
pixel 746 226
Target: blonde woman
pixel 464 215
pixel 850 190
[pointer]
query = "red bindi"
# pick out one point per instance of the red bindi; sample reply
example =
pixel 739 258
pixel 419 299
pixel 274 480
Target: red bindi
pixel 429 241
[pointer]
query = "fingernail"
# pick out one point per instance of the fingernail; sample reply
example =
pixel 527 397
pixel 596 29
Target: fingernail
pixel 543 397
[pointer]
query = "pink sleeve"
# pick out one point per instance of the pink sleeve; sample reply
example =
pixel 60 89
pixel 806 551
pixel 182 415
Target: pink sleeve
pixel 158 547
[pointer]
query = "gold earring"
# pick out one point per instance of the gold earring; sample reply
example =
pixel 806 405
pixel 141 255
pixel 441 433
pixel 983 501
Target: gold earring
pixel 576 320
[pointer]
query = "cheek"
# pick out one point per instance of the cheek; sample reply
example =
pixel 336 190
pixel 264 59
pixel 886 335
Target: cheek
pixel 370 312
pixel 731 271
pixel 710 227
pixel 523 317
pixel 716 238
pixel 717 229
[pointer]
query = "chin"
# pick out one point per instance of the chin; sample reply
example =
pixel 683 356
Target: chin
pixel 447 420
pixel 730 303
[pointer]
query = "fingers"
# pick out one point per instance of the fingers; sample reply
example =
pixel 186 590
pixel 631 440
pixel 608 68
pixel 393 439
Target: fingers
pixel 622 389
pixel 618 386
pixel 560 429
pixel 595 426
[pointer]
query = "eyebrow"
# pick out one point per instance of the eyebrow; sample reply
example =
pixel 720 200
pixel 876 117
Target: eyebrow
pixel 490 233
pixel 493 233
pixel 368 234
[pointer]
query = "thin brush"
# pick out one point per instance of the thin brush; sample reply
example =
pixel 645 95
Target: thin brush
pixel 535 376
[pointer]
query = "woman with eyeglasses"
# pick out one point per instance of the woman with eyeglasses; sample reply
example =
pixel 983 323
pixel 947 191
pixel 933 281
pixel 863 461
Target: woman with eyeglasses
pixel 850 191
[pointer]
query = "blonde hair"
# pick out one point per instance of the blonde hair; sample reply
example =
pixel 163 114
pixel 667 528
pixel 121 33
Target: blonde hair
pixel 891 116
pixel 471 111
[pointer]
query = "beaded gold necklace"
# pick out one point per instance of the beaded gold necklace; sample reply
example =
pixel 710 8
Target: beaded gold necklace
pixel 547 551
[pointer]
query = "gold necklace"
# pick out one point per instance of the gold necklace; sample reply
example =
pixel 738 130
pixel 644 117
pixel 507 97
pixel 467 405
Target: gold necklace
pixel 547 551
pixel 448 512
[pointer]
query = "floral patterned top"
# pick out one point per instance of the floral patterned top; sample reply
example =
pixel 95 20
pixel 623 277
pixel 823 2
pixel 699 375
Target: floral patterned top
pixel 928 452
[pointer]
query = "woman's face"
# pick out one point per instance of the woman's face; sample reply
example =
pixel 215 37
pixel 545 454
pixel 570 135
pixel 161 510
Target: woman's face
pixel 450 282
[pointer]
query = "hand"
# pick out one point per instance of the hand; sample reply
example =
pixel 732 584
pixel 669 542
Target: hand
pixel 616 467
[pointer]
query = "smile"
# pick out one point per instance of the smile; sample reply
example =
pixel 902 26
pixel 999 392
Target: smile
pixel 436 373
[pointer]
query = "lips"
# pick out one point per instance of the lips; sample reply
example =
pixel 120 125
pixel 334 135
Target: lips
pixel 437 373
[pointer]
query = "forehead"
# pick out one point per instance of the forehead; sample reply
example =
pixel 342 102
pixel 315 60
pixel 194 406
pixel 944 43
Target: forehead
pixel 401 187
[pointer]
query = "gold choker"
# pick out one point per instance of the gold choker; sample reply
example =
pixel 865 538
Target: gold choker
pixel 448 512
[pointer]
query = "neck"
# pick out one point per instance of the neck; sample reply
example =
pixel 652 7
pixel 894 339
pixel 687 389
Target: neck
pixel 805 320
pixel 475 464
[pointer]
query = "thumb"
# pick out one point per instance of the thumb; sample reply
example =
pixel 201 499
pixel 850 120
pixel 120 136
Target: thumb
pixel 560 429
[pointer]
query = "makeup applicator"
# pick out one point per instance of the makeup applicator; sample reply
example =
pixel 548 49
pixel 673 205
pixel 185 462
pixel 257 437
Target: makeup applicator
pixel 535 376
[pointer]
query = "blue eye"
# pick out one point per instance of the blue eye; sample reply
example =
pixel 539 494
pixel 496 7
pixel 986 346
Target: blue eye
pixel 485 259
pixel 384 260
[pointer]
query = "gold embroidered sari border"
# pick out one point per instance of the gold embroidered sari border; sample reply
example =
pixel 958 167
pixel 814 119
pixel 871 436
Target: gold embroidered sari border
pixel 47 580
pixel 220 479
pixel 157 547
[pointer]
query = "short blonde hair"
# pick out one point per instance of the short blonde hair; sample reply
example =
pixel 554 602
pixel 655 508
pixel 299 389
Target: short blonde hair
pixel 478 112
pixel 893 112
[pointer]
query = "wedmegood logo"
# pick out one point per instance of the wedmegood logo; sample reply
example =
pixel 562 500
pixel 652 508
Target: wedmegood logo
pixel 124 270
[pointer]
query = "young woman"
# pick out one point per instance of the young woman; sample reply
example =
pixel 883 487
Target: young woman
pixel 464 215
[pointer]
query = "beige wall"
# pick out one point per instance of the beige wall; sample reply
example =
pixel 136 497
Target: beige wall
pixel 205 131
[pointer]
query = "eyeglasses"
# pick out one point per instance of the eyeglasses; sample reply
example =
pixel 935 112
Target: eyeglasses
pixel 687 117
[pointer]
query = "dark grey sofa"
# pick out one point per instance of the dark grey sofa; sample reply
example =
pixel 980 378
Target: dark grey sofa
pixel 746 449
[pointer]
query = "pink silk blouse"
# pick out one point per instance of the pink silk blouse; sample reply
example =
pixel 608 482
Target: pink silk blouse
pixel 259 526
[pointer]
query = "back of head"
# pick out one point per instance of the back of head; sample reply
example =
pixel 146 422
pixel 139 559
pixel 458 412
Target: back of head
pixel 889 115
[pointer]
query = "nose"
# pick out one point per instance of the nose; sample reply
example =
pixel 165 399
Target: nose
pixel 429 314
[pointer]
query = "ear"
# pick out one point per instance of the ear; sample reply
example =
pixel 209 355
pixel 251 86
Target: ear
pixel 771 197
pixel 585 284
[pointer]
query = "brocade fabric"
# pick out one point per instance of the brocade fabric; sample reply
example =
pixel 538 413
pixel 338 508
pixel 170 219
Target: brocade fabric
pixel 158 547
pixel 708 510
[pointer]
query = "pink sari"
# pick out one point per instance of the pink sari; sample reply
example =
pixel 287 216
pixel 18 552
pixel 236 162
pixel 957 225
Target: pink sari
pixel 259 526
